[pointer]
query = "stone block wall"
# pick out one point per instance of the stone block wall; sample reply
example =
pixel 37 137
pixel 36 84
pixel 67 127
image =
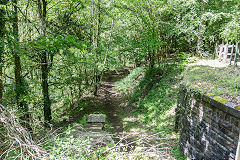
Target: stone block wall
pixel 208 128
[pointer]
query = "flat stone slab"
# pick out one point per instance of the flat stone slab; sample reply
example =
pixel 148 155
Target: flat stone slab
pixel 92 131
pixel 98 138
pixel 95 127
pixel 96 118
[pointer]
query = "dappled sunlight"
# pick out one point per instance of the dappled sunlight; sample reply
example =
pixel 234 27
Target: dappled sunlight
pixel 212 63
pixel 63 60
pixel 155 111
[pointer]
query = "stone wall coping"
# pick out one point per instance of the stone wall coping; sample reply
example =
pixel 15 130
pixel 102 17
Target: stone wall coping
pixel 228 107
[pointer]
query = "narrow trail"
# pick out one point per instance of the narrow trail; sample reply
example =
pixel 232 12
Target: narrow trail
pixel 138 142
pixel 111 99
pixel 136 138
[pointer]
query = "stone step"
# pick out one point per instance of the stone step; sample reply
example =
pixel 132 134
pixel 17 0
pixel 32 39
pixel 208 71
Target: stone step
pixel 99 138
pixel 94 127
pixel 96 118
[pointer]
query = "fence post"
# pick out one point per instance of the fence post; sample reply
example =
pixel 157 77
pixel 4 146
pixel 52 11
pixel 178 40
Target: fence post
pixel 216 51
pixel 225 53
pixel 231 54
pixel 237 53
pixel 220 52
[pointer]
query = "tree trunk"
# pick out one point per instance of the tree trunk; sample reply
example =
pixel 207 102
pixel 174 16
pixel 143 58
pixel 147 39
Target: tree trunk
pixel 96 48
pixel 2 27
pixel 150 57
pixel 45 70
pixel 19 81
pixel 45 89
pixel 199 45
pixel 42 8
pixel 201 32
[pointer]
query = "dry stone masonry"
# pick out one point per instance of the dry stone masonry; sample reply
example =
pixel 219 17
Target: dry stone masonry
pixel 208 128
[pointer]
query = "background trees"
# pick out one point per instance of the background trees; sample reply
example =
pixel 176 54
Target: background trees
pixel 56 51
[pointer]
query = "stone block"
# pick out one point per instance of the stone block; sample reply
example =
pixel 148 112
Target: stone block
pixel 225 125
pixel 96 118
pixel 208 110
pixel 227 118
pixel 234 121
pixel 223 141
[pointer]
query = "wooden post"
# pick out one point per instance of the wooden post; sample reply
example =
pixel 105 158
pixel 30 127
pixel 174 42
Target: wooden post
pixel 231 54
pixel 225 53
pixel 216 51
pixel 236 53
pixel 220 52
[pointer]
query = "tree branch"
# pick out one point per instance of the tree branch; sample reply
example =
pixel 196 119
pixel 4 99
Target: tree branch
pixel 27 18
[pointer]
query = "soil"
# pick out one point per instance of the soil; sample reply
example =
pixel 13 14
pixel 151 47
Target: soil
pixel 111 99
pixel 125 128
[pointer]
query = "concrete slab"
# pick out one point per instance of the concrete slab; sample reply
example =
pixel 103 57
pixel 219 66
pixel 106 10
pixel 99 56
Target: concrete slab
pixel 96 118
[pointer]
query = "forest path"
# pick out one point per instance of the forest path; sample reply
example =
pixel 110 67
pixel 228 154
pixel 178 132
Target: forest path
pixel 112 98
pixel 132 138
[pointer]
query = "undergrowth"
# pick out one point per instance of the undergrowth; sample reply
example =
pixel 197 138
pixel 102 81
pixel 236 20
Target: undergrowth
pixel 154 99
pixel 152 95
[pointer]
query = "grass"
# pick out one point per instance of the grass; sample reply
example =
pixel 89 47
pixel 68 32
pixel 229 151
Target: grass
pixel 154 99
pixel 126 84
pixel 223 82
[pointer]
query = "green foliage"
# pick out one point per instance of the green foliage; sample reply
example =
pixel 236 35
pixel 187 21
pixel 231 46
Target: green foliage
pixel 210 94
pixel 155 97
pixel 83 121
pixel 84 39
pixel 68 147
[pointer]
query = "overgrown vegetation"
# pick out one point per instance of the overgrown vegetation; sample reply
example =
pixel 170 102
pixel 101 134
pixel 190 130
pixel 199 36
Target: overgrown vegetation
pixel 154 99
pixel 54 54
pixel 223 82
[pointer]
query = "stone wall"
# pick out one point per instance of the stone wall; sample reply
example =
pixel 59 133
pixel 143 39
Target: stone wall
pixel 208 129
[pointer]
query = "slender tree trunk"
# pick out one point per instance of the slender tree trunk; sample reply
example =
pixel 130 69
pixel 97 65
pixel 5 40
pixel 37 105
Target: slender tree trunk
pixel 19 81
pixel 201 31
pixel 42 8
pixel 150 57
pixel 96 48
pixel 45 89
pixel 2 38
pixel 109 41
pixel 45 70
pixel 199 45
pixel 2 27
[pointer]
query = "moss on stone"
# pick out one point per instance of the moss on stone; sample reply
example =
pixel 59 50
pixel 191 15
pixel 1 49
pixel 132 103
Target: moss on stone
pixel 210 94
pixel 220 99
pixel 237 107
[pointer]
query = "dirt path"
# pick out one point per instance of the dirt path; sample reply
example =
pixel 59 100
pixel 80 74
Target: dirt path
pixel 111 99
pixel 131 136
